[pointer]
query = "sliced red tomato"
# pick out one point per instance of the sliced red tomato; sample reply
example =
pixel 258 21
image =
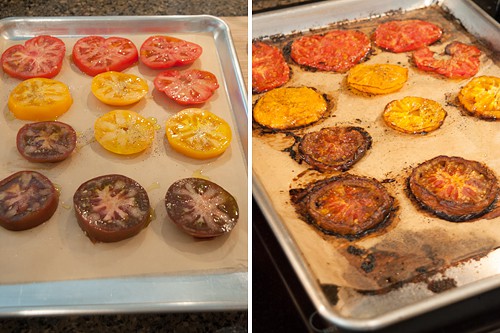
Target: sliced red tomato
pixel 187 87
pixel 41 56
pixel 462 60
pixel 406 35
pixel 337 50
pixel 95 54
pixel 269 68
pixel 160 52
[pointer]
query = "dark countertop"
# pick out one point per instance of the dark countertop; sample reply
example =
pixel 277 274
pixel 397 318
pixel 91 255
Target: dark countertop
pixel 222 322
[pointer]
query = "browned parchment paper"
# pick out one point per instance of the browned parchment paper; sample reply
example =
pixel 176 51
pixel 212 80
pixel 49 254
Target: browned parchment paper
pixel 415 243
pixel 58 249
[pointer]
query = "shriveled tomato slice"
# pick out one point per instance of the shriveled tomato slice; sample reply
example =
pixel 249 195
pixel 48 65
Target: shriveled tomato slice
pixel 124 132
pixel 461 60
pixel 160 52
pixel 406 35
pixel 40 56
pixel 115 88
pixel 377 78
pixel 187 87
pixel 96 54
pixel 27 199
pixel 337 50
pixel 481 97
pixel 198 133
pixel 414 115
pixel 39 99
pixel 46 141
pixel 269 68
pixel 201 208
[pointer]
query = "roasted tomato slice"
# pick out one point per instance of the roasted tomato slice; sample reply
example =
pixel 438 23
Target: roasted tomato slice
pixel 290 107
pixel 463 61
pixel 406 35
pixel 40 56
pixel 187 87
pixel 377 78
pixel 124 132
pixel 39 99
pixel 269 68
pixel 481 97
pixel 453 188
pixel 95 54
pixel 201 208
pixel 337 50
pixel 118 89
pixel 334 148
pixel 414 115
pixel 160 52
pixel 47 141
pixel 27 199
pixel 198 133
pixel 347 205
pixel 111 208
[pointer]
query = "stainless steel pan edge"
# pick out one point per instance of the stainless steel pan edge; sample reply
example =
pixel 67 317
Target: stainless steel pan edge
pixel 291 20
pixel 207 291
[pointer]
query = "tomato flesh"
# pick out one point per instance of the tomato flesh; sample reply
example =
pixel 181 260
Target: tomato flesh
pixel 269 68
pixel 160 52
pixel 95 54
pixel 406 35
pixel 115 88
pixel 187 87
pixel 40 56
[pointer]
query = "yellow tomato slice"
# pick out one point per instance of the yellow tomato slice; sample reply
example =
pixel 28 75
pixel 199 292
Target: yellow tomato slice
pixel 378 78
pixel 290 108
pixel 414 115
pixel 481 97
pixel 39 99
pixel 124 132
pixel 118 89
pixel 198 133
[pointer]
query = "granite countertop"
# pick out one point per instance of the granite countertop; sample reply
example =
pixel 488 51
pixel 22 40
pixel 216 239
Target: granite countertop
pixel 197 322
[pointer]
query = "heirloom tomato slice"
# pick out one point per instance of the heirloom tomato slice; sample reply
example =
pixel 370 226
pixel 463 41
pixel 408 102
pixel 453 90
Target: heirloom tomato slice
pixel 407 35
pixel 115 88
pixel 124 132
pixel 187 87
pixel 377 78
pixel 198 133
pixel 95 54
pixel 160 52
pixel 40 56
pixel 269 68
pixel 39 99
pixel 481 97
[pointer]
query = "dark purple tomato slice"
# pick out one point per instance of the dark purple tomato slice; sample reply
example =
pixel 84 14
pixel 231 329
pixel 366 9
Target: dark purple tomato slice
pixel 27 199
pixel 46 141
pixel 201 208
pixel 111 208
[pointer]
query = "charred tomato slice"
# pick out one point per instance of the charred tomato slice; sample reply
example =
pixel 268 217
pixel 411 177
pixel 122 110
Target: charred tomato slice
pixel 269 68
pixel 453 188
pixel 46 141
pixel 346 205
pixel 27 199
pixel 406 35
pixel 201 208
pixel 334 148
pixel 111 208
pixel 337 50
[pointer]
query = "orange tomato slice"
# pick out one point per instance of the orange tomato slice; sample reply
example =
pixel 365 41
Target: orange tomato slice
pixel 124 132
pixel 481 97
pixel 39 99
pixel 198 133
pixel 414 115
pixel 118 89
pixel 378 78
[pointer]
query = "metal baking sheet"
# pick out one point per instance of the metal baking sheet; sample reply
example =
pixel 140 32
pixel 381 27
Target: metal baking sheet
pixel 54 268
pixel 344 305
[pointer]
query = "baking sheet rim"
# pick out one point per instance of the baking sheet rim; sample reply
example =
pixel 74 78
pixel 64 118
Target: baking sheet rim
pixel 65 297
